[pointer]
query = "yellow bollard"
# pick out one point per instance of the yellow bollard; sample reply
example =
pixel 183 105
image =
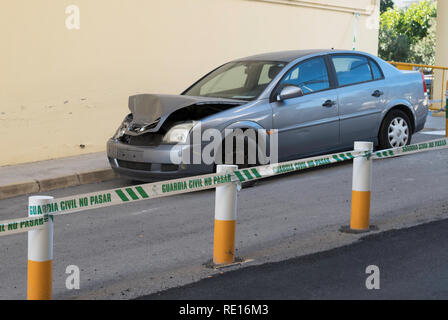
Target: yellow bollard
pixel 40 254
pixel 362 177
pixel 225 219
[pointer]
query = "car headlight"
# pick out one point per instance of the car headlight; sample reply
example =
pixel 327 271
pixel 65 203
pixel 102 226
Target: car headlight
pixel 178 133
pixel 122 129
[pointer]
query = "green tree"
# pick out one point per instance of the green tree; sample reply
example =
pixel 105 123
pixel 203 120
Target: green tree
pixel 385 5
pixel 393 46
pixel 405 36
pixel 417 20
pixel 423 51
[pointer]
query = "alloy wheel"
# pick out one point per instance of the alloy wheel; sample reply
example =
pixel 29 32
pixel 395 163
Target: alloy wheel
pixel 398 132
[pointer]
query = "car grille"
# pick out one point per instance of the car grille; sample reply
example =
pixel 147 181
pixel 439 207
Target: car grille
pixel 147 139
pixel 169 167
pixel 143 166
pixel 135 127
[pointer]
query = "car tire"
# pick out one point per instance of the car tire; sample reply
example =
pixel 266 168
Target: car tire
pixel 395 131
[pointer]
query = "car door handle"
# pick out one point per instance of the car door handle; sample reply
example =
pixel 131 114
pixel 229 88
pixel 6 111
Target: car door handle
pixel 329 103
pixel 377 93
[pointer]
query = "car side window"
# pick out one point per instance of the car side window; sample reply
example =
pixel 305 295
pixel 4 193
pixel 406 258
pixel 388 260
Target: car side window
pixel 377 74
pixel 311 76
pixel 352 69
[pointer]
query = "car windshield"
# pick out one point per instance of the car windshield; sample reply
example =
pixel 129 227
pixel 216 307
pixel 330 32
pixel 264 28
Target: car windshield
pixel 242 80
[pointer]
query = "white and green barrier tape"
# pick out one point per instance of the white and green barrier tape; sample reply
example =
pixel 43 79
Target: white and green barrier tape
pixel 111 197
pixel 261 172
pixel 13 226
pixel 249 174
pixel 410 149
pixel 40 214
pixel 147 191
pixel 130 194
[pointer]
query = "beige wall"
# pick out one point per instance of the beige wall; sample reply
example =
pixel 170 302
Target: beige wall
pixel 441 47
pixel 61 88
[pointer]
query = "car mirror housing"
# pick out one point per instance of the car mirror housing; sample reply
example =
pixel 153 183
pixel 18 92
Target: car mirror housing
pixel 289 92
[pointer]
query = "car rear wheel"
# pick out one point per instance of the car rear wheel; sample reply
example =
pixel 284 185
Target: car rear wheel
pixel 395 131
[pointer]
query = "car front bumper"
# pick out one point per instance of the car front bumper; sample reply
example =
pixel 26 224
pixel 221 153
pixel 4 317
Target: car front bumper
pixel 153 163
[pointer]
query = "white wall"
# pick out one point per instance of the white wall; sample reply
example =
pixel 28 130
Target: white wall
pixel 61 88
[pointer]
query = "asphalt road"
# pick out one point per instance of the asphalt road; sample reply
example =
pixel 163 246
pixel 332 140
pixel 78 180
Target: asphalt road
pixel 412 264
pixel 141 248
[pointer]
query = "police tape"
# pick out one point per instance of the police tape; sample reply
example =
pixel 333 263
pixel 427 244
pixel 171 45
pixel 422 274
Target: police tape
pixel 39 214
pixel 410 149
pixel 20 225
pixel 106 198
pixel 249 174
pixel 129 194
pixel 261 172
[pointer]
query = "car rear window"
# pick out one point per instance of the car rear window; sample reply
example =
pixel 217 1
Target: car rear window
pixel 352 69
pixel 377 74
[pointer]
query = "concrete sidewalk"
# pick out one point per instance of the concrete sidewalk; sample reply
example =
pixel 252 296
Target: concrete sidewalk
pixel 54 174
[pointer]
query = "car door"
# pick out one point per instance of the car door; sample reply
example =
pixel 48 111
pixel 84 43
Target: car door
pixel 361 96
pixel 310 123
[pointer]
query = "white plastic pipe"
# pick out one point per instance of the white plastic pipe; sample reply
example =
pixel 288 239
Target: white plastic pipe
pixel 40 252
pixel 361 188
pixel 225 219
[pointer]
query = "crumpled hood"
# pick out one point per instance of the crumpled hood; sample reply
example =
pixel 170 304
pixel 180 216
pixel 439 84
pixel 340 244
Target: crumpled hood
pixel 151 110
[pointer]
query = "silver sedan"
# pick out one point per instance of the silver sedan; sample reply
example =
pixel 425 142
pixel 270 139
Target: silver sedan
pixel 316 101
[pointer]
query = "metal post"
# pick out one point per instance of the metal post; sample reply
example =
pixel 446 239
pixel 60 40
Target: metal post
pixel 225 219
pixel 441 95
pixel 40 252
pixel 362 181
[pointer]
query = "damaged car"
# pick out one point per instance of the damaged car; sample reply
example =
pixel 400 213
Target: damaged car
pixel 316 102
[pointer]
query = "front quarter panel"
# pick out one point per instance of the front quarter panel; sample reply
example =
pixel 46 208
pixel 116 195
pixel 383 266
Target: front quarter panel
pixel 256 113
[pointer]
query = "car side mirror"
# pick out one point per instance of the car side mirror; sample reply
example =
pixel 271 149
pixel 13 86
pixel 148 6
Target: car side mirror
pixel 289 92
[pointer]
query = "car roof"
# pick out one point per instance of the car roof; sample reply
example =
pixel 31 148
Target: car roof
pixel 291 55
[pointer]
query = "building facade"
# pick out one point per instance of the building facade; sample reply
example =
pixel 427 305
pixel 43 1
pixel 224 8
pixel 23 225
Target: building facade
pixel 441 46
pixel 68 67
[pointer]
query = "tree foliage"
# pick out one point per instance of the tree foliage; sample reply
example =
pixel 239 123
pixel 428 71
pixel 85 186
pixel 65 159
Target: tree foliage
pixel 385 5
pixel 423 51
pixel 408 35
